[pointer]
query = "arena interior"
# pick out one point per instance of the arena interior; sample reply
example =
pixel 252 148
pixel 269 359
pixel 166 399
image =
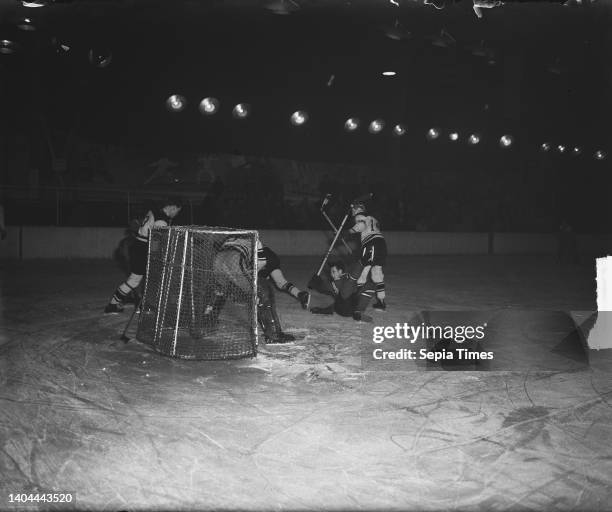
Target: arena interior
pixel 305 255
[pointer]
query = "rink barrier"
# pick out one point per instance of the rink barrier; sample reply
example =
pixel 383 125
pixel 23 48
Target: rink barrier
pixel 37 242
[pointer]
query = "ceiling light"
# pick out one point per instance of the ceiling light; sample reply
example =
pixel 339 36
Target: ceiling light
pixel 176 103
pixel 209 106
pixel 376 126
pixel 485 4
pixel 399 130
pixel 100 57
pixel 241 111
pixel 600 155
pixel 299 117
pixel 34 3
pixel 7 47
pixel 26 25
pixel 351 124
pixel 432 133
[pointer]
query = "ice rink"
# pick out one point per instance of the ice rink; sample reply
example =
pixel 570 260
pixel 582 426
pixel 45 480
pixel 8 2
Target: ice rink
pixel 305 425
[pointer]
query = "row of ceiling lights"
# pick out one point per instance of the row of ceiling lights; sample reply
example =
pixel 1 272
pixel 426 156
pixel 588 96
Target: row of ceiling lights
pixel 210 106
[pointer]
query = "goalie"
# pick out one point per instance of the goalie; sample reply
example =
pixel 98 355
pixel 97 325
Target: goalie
pixel 232 269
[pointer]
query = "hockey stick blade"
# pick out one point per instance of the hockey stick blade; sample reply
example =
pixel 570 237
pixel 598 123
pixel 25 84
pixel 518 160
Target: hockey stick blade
pixel 124 336
pixel 326 200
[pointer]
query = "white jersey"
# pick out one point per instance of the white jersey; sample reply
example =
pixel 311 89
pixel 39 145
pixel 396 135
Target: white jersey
pixel 367 226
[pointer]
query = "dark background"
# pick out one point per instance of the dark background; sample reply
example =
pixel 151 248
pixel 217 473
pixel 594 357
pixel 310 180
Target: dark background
pixel 550 81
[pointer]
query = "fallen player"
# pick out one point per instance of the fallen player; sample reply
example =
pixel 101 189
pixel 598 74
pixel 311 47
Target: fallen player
pixel 350 298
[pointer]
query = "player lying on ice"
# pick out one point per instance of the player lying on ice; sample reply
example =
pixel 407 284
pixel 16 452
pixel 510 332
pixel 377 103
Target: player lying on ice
pixel 350 297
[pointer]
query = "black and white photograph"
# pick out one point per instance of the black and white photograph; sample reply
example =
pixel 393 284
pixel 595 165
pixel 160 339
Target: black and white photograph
pixel 305 255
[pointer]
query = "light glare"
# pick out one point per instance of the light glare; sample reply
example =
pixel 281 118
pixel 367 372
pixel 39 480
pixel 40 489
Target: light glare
pixel 351 124
pixel 209 106
pixel 176 103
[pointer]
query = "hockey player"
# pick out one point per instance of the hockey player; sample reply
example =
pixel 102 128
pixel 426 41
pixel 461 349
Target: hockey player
pixel 232 269
pixel 373 251
pixel 349 298
pixel 138 253
pixel 268 266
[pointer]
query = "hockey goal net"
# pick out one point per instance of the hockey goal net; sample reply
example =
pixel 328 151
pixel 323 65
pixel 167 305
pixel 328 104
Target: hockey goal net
pixel 200 294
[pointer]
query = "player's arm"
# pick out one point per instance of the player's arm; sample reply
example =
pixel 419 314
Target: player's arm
pixel 359 226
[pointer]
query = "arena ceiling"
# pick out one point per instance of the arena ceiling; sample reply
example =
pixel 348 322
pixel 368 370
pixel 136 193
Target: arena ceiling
pixel 533 68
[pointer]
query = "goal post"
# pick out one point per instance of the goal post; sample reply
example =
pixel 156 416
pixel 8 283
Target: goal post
pixel 200 298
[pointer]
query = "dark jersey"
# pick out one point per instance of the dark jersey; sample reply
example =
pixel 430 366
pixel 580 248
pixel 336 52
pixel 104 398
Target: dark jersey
pixel 267 262
pixel 374 252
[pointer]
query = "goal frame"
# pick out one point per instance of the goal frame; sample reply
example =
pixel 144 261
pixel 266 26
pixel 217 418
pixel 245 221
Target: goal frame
pixel 164 294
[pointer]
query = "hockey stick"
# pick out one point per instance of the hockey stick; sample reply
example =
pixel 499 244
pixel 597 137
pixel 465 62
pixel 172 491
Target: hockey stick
pixel 365 197
pixel 331 247
pixel 124 336
pixel 330 222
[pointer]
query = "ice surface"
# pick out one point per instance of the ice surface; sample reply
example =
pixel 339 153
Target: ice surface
pixel 304 425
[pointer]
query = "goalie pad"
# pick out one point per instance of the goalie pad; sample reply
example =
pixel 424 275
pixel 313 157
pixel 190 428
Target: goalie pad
pixel 266 310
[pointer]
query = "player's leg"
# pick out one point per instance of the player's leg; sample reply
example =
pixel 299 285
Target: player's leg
pixel 281 282
pixel 123 291
pixel 377 274
pixel 138 266
pixel 267 315
pixel 361 299
pixel 378 278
